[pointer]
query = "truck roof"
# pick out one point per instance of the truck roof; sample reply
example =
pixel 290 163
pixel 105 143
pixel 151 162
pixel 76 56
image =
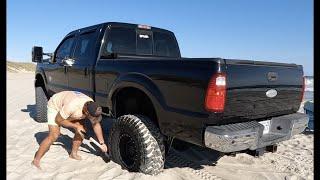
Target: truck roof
pixel 129 25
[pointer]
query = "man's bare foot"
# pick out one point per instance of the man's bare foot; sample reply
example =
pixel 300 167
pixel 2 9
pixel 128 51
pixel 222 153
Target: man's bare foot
pixel 36 164
pixel 75 156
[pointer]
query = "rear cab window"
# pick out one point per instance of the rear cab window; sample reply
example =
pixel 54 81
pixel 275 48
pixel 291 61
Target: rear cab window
pixel 135 41
pixel 144 42
pixel 165 45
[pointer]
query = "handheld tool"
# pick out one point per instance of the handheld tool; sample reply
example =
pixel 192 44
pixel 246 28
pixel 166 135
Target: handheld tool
pixel 85 135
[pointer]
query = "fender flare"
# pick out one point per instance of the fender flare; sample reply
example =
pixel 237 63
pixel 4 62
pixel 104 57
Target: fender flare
pixel 138 81
pixel 41 73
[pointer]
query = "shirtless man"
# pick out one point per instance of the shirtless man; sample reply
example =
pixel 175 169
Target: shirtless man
pixel 69 109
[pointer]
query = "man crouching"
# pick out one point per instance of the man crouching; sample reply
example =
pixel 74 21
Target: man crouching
pixel 69 109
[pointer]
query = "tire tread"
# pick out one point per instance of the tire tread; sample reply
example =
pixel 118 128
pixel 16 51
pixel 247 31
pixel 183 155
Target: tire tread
pixel 41 105
pixel 153 151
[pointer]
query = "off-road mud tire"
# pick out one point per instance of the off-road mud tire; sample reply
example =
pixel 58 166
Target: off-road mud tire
pixel 41 105
pixel 150 151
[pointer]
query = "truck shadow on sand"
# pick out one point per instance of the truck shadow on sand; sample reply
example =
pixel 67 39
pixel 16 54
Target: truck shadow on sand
pixel 192 156
pixel 65 141
pixel 308 132
pixel 31 109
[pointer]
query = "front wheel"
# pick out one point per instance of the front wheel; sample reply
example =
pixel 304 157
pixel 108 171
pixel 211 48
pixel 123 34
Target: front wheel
pixel 41 105
pixel 137 144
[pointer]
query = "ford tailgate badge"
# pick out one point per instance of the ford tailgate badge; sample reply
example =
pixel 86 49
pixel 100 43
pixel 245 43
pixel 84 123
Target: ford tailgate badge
pixel 271 93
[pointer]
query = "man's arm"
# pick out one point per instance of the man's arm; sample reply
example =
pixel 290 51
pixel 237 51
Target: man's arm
pixel 65 123
pixel 98 131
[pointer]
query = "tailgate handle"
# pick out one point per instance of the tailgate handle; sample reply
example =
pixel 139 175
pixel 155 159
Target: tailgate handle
pixel 272 76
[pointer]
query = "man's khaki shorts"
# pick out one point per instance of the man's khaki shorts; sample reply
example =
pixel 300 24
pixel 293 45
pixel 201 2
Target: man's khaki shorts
pixel 51 116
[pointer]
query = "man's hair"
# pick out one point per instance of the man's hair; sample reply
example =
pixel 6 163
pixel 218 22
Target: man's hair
pixel 94 109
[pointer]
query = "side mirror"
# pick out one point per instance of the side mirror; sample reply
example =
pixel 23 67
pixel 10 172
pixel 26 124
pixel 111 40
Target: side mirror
pixel 37 54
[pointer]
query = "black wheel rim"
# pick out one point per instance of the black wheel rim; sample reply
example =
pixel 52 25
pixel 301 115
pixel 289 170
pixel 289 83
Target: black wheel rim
pixel 128 150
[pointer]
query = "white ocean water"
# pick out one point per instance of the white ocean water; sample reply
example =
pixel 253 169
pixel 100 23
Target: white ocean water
pixel 308 91
pixel 309 83
pixel 308 95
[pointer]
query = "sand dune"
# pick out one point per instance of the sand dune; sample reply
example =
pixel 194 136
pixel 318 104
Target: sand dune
pixel 20 67
pixel 293 160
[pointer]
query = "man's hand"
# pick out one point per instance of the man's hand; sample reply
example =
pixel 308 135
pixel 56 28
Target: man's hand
pixel 104 148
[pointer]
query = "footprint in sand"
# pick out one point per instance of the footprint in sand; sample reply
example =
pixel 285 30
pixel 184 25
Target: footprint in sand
pixel 246 159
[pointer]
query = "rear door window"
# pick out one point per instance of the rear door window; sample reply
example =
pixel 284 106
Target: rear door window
pixel 84 53
pixel 121 40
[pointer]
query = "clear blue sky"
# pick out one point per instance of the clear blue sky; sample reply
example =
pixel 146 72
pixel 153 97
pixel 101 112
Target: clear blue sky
pixel 267 30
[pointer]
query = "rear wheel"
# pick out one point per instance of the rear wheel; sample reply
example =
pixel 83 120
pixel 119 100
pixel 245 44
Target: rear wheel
pixel 41 105
pixel 137 144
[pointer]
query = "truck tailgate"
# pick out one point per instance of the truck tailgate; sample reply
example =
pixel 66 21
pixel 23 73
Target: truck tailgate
pixel 261 89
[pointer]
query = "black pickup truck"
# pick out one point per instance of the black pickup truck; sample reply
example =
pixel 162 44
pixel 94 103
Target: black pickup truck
pixel 136 73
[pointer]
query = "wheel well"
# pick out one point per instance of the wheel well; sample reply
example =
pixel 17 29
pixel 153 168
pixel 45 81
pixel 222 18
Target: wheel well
pixel 133 101
pixel 40 83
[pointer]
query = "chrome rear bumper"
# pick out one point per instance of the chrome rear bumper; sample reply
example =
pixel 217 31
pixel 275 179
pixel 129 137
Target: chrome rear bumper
pixel 249 135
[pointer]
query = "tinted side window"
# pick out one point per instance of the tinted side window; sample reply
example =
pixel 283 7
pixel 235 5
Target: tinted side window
pixel 65 49
pixel 165 45
pixel 85 48
pixel 121 40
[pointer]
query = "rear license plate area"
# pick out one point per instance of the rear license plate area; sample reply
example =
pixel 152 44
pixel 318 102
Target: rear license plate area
pixel 266 124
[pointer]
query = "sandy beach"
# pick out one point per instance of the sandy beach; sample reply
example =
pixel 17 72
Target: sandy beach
pixel 292 161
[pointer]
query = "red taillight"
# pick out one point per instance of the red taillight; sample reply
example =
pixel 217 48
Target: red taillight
pixel 303 87
pixel 216 93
